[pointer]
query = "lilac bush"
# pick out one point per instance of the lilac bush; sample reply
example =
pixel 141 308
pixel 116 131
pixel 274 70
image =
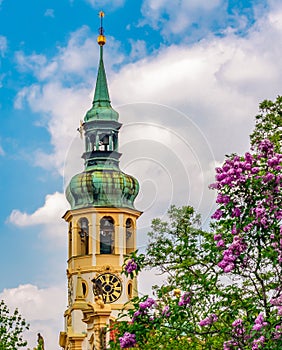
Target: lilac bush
pixel 223 289
pixel 248 234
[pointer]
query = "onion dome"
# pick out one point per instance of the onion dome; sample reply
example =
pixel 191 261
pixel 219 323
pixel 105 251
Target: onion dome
pixel 102 188
pixel 102 183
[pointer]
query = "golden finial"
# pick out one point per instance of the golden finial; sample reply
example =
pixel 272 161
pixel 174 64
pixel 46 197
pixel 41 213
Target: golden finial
pixel 101 38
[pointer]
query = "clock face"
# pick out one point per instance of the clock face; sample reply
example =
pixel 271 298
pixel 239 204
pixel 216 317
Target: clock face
pixel 111 287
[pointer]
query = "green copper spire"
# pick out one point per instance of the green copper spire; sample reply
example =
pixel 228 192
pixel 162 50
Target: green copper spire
pixel 101 106
pixel 101 95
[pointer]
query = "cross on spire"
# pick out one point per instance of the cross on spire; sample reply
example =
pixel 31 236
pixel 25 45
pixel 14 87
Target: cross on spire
pixel 101 29
pixel 101 38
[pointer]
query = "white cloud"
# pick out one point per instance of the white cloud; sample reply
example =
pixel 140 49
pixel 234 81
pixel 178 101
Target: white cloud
pixel 3 44
pixel 76 59
pixel 53 205
pixel 2 153
pixel 215 81
pixel 174 19
pixel 101 4
pixel 138 49
pixel 3 49
pixel 50 13
pixel 30 62
pixel 79 54
pixel 48 216
pixel 64 107
pixel 42 308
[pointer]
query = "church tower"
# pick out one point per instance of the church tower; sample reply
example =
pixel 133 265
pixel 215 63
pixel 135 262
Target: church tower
pixel 101 226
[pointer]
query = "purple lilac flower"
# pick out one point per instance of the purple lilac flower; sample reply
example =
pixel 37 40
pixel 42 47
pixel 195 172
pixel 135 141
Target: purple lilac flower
pixel 208 320
pixel 255 170
pixel 258 343
pixel 228 345
pixel 147 304
pixel 238 328
pixel 165 311
pixel 214 186
pixel 217 237
pixel 220 177
pixel 273 161
pixel 259 211
pixel 248 157
pixel 268 177
pixel 185 299
pixel 278 332
pixel 217 214
pixel 136 314
pixel 230 267
pixel 277 302
pixel 259 323
pixel 130 266
pixel 265 146
pixel 128 340
pixel 222 199
pixel 227 181
pixel 220 243
pixel 247 166
pixel 234 230
pixel 237 322
pixel 232 253
pixel 247 227
pixel 236 212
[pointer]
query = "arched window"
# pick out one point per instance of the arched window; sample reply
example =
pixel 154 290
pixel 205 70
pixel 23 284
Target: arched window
pixel 129 290
pixel 129 236
pixel 84 288
pixel 107 234
pixel 83 231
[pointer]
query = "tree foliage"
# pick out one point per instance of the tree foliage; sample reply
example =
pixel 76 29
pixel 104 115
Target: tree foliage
pixel 223 289
pixel 269 123
pixel 12 327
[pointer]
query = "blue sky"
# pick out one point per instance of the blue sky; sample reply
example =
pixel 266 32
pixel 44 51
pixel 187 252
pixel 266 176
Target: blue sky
pixel 186 77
